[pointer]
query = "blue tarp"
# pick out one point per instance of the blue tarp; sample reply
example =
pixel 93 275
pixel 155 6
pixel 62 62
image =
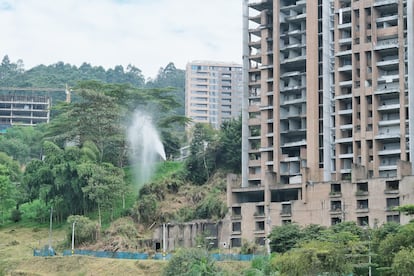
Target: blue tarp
pixel 140 256
pixel 47 251
pixel 108 254
pixel 232 257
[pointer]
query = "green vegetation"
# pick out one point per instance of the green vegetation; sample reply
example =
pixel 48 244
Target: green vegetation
pixel 191 262
pixel 78 167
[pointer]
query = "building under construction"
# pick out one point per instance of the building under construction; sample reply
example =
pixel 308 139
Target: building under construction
pixel 26 106
pixel 329 126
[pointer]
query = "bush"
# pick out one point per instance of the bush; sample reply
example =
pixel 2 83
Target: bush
pixel 16 215
pixel 145 210
pixel 37 211
pixel 261 265
pixel 124 227
pixel 86 231
pixel 191 262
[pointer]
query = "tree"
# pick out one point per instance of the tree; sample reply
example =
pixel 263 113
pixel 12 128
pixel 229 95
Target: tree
pixel 145 210
pixel 392 244
pixel 407 209
pixel 201 162
pixel 229 148
pixel 7 191
pixel 104 184
pixel 403 263
pixel 173 78
pixel 96 118
pixel 211 207
pixel 315 258
pixel 22 143
pixel 285 237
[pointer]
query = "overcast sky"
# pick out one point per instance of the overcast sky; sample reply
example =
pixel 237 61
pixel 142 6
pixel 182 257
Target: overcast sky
pixel 146 33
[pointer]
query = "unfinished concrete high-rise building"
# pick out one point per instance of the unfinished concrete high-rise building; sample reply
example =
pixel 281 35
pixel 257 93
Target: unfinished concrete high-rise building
pixel 329 122
pixel 213 92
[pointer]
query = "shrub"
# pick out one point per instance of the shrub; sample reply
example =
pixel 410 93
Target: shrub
pixel 16 215
pixel 145 210
pixel 86 231
pixel 191 262
pixel 37 210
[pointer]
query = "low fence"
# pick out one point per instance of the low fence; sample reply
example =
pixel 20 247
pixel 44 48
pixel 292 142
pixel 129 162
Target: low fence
pixel 137 256
pixel 108 254
pixel 44 252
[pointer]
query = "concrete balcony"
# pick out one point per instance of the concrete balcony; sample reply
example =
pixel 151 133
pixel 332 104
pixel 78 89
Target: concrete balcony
pixel 344 140
pixel 348 126
pixel 387 167
pixel 388 107
pixel 389 122
pixel 346 170
pixel 344 53
pixel 390 18
pixel 389 64
pixel 266 149
pixel 294 101
pixel 345 40
pixel 386 44
pixel 362 210
pixel 345 68
pixel 389 152
pixel 391 192
pixel 295 144
pixel 292 46
pixel 346 83
pixel 344 26
pixel 291 74
pixel 385 2
pixel 291 88
pixel 345 111
pixel 343 96
pixel 261 5
pixel 346 155
pixel 293 59
pixel 290 159
pixel 336 211
pixel 335 194
pixel 294 18
pixel 391 135
pixel 387 90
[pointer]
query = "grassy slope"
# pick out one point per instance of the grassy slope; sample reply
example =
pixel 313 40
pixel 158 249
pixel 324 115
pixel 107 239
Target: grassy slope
pixel 16 258
pixel 17 244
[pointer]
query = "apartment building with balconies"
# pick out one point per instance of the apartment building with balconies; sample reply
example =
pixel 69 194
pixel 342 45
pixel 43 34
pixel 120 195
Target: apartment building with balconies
pixel 23 110
pixel 330 121
pixel 213 92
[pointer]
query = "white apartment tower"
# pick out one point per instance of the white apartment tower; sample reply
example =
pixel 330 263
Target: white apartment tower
pixel 213 92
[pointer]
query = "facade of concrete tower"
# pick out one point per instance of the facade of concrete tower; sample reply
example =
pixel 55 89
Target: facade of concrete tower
pixel 213 92
pixel 329 129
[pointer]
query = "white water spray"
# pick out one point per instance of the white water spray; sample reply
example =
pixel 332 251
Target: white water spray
pixel 146 147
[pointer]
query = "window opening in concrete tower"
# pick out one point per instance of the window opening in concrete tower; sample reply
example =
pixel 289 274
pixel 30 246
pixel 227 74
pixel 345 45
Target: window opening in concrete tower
pixel 285 195
pixel 392 185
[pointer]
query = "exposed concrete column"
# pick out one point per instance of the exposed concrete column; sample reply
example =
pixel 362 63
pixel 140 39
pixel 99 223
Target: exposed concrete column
pixel 410 60
pixel 245 98
pixel 327 79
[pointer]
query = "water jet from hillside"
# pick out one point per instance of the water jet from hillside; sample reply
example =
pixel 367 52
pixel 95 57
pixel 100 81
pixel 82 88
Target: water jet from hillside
pixel 146 148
